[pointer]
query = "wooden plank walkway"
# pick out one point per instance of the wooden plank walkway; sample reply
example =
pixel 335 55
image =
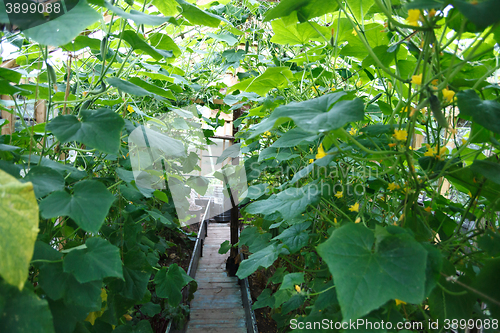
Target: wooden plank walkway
pixel 217 306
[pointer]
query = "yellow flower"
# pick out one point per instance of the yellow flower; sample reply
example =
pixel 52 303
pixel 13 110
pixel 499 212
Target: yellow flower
pixel 353 131
pixel 435 82
pixel 413 110
pixel 354 32
pixel 354 208
pixel 297 288
pixel 432 12
pixel 339 194
pixel 391 145
pixel 409 147
pixel 311 160
pixel 357 220
pixel 400 135
pixel 266 134
pixel 130 109
pixel 335 220
pixel 398 301
pixel 416 79
pixel 413 17
pixel 448 94
pixel 432 151
pixel 321 152
pixel 393 186
pixel 359 83
pixel 464 141
pixel 428 209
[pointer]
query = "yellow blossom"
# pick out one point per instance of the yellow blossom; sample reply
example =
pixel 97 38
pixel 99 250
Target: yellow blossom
pixel 428 209
pixel 416 79
pixel 339 194
pixel 464 141
pixel 413 110
pixel 353 131
pixel 130 109
pixel 357 220
pixel 435 82
pixel 393 186
pixel 432 151
pixel 409 147
pixel 335 220
pixel 311 160
pixel 321 152
pixel 354 32
pixel 448 94
pixel 392 145
pixel 400 135
pixel 432 12
pixel 297 288
pixel 359 83
pixel 266 134
pixel 453 131
pixel 354 208
pixel 398 301
pixel 413 17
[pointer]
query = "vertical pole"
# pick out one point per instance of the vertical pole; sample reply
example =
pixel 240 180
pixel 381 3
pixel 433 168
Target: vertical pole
pixel 232 261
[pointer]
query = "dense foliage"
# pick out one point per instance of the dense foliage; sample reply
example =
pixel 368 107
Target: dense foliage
pixel 370 131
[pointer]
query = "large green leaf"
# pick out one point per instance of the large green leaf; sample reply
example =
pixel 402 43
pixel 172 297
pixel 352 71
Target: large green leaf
pixel 367 273
pixel 88 205
pixel 18 227
pixel 482 14
pixel 45 180
pixel 290 202
pixel 58 284
pixel 273 77
pixel 169 283
pixel 165 42
pixel 98 260
pixel 294 137
pixel 10 75
pixel 139 17
pixel 263 258
pixel 64 28
pixel 22 312
pixel 199 17
pixel 99 129
pixel 295 237
pixel 487 283
pixel 136 273
pixel 305 9
pixel 152 88
pixel 485 113
pixel 320 114
pixel 167 7
pixel 81 42
pixel 130 88
pixel 488 169
pixel 137 43
pixel 295 34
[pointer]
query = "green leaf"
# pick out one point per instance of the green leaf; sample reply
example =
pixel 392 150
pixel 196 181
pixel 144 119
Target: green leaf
pixel 368 274
pixel 293 303
pixel 305 9
pixel 485 113
pixel 231 151
pixel 290 202
pixel 169 283
pixel 152 88
pixel 10 75
pixel 487 283
pixel 137 43
pixel 295 34
pixel 99 260
pixel 136 273
pixel 45 180
pixel 87 193
pixel 292 279
pixel 22 312
pixel 167 7
pixel 18 227
pixel 224 247
pixel 488 169
pixel 197 16
pixel 320 114
pixel 295 237
pixel 482 14
pixel 294 137
pixel 58 284
pixel 165 42
pixel 99 129
pixel 490 243
pixel 81 42
pixel 264 299
pixel 128 87
pixel 150 309
pixel 142 327
pixel 63 29
pixel 263 258
pixel 139 17
pixel 273 77
pixel 228 38
pixel 360 8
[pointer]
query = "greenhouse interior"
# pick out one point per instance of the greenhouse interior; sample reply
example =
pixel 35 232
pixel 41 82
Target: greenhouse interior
pixel 245 166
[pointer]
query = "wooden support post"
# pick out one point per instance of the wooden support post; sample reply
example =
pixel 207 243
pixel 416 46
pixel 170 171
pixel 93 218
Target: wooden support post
pixel 8 129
